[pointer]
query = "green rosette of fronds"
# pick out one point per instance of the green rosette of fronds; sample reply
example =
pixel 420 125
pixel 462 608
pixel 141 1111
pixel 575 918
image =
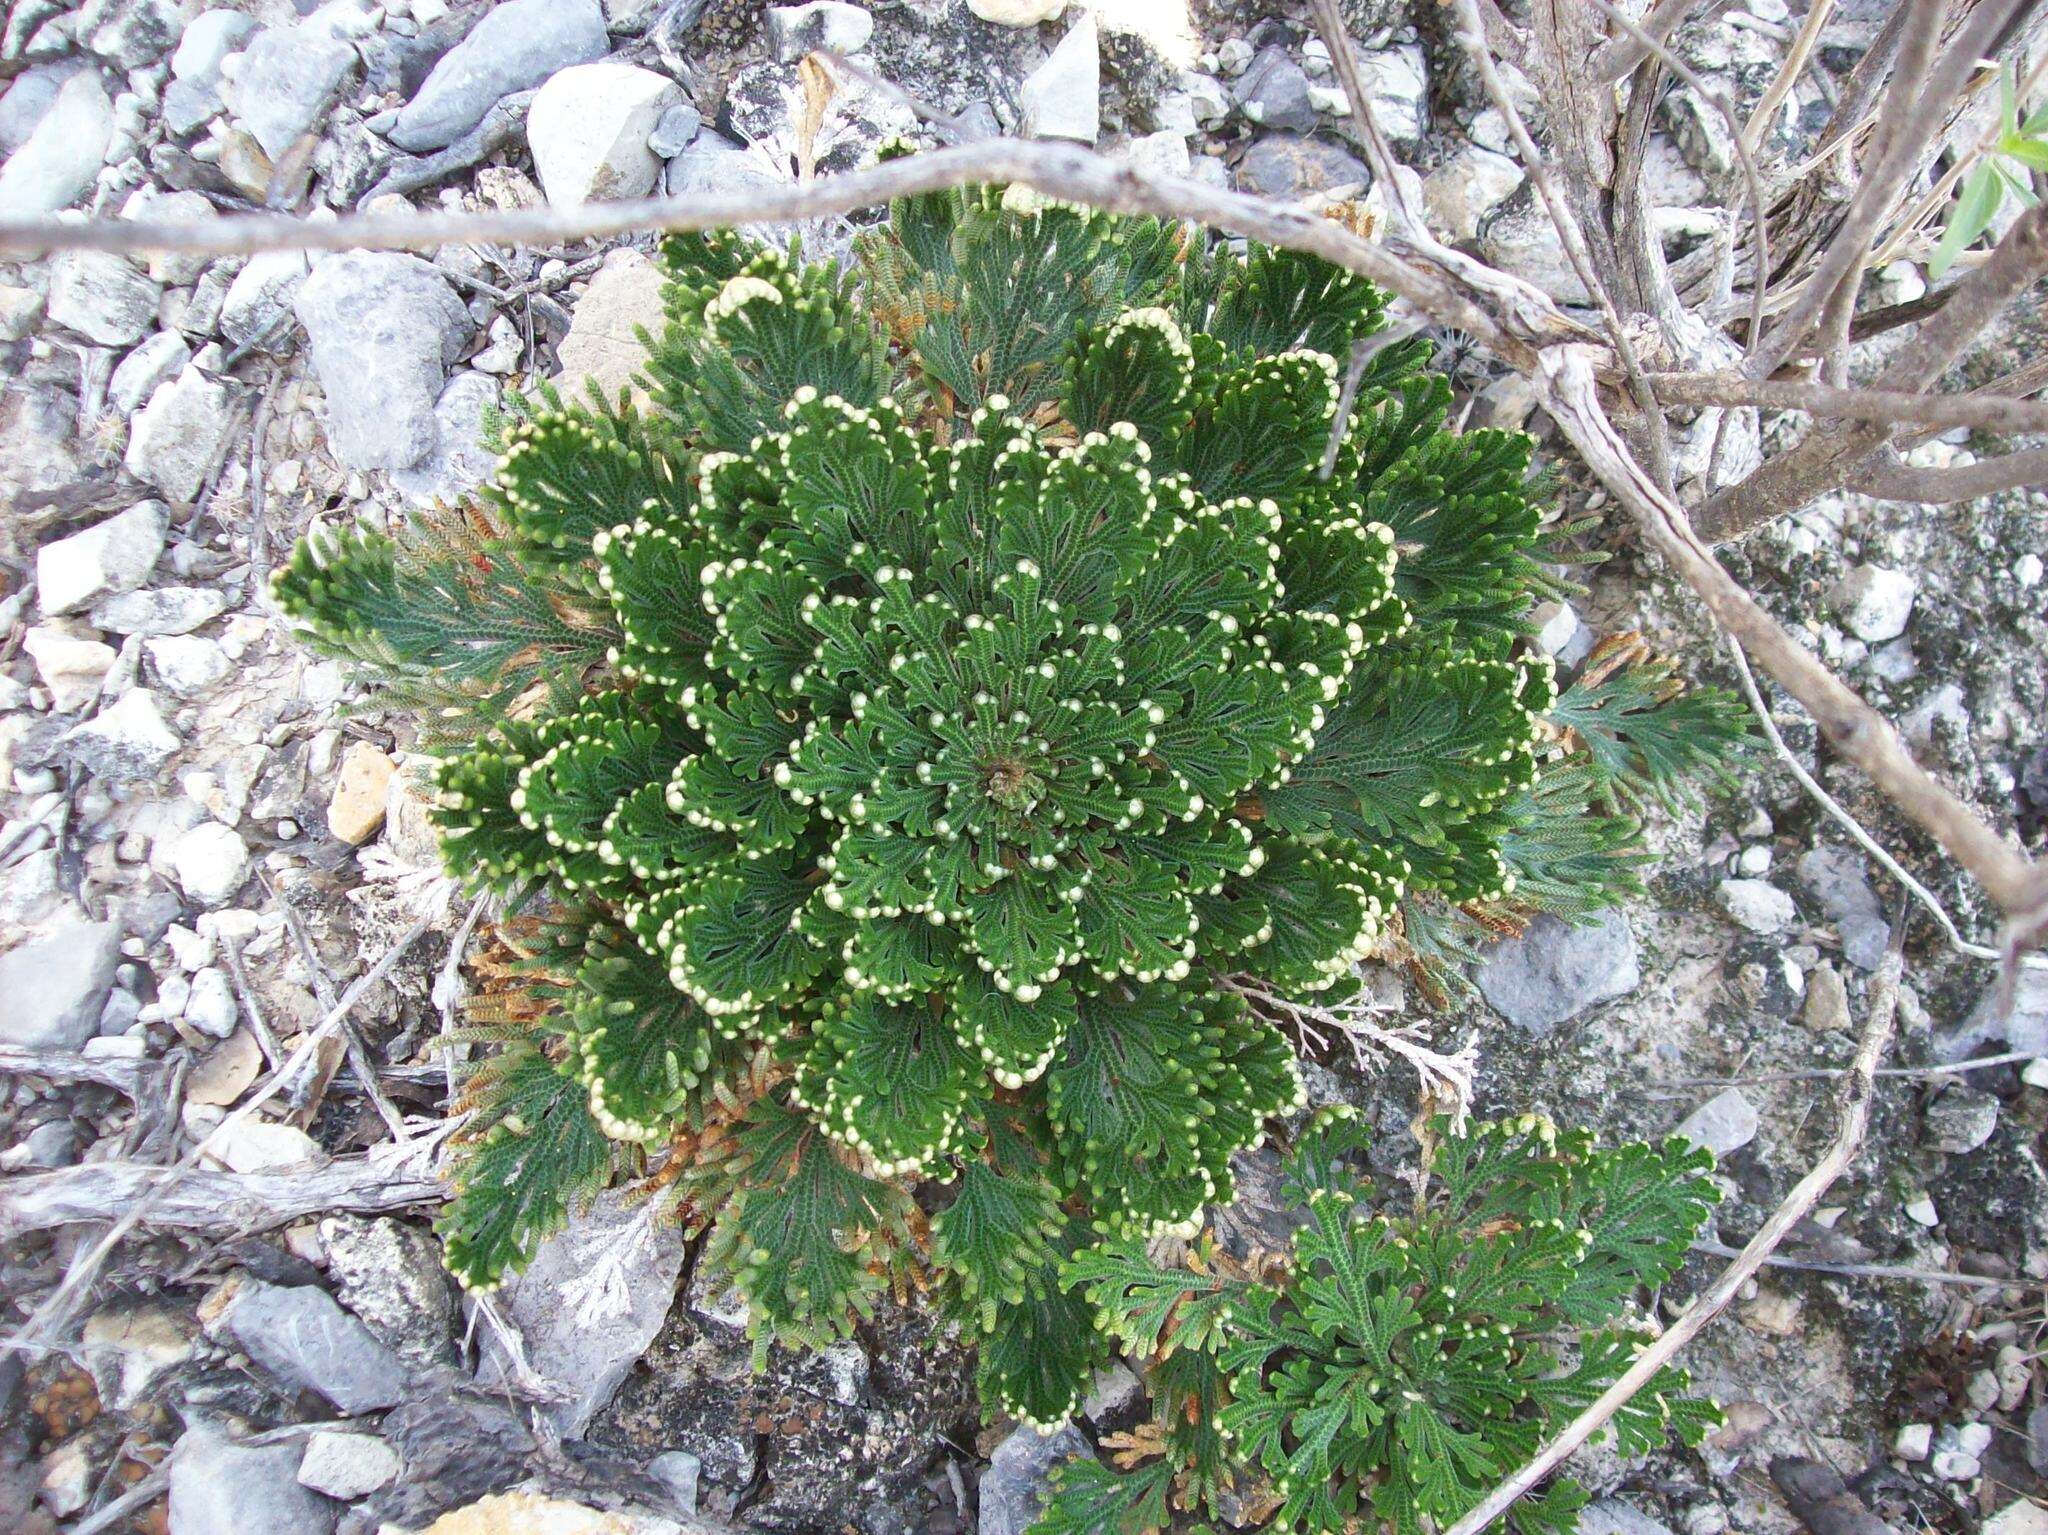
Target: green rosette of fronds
pixel 959 674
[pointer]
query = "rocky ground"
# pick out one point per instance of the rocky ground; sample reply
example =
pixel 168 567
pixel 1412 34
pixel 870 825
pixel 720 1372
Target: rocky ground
pixel 202 845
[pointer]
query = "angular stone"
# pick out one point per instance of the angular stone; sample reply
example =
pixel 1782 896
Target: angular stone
pixel 159 610
pixel 1274 92
pixel 530 1513
pixel 258 307
pixel 130 33
pixel 1465 188
pixel 1724 1124
pixel 126 740
pixel 102 297
pixel 259 1146
pixel 211 863
pixel 1836 878
pixel 302 1336
pixel 516 45
pixel 55 987
pixel 347 1466
pixel 588 130
pixel 187 666
pixel 222 1488
pixel 157 361
pixel 286 81
pixel 1019 1475
pixel 1757 905
pixel 603 346
pixel 128 1347
pixel 390 1275
pixel 1555 971
pixel 834 25
pixel 356 812
pixel 589 1304
pixel 1874 603
pixel 174 441
pixel 1017 13
pixel 1962 1118
pixel 116 555
pixel 1062 98
pixel 383 330
pixel 461 458
pixel 1283 165
pixel 61 160
pixel 71 667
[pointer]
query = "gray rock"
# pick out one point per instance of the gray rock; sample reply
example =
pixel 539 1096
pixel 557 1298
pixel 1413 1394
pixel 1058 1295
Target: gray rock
pixel 382 331
pixel 1019 1474
pixel 710 163
pixel 795 30
pixel 102 297
pixel 211 862
pixel 1062 98
pixel 519 44
pixel 588 1305
pixel 287 79
pixel 461 459
pixel 678 125
pixel 1756 904
pixel 1962 1118
pixel 347 1466
pixel 1274 92
pixel 1835 877
pixel 390 1275
pixel 159 610
pixel 20 310
pixel 113 556
pixel 1611 1516
pixel 1724 1124
pixel 207 39
pixel 589 129
pixel 185 666
pixel 130 33
pixel 1874 603
pixel 300 1335
pixel 29 98
pixel 221 1488
pixel 62 158
pixel 156 361
pixel 57 986
pixel 257 309
pixel 1397 80
pixel 1946 705
pixel 173 441
pixel 210 1007
pixel 1282 165
pixel 125 741
pixel 678 1471
pixel 1554 971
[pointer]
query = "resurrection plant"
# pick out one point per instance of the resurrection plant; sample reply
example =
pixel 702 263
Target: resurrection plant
pixel 955 726
pixel 1391 1368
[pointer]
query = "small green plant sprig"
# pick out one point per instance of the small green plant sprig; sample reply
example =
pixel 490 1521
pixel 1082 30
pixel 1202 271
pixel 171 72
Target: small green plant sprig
pixel 920 714
pixel 2003 174
pixel 1396 1364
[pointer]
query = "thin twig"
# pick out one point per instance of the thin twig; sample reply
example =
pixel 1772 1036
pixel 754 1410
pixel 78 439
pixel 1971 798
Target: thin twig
pixel 1817 17
pixel 1873 1270
pixel 1849 823
pixel 1907 103
pixel 361 1067
pixel 1060 170
pixel 1745 159
pixel 58 1307
pixel 1995 412
pixel 1354 375
pixel 1853 1102
pixel 1829 1073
